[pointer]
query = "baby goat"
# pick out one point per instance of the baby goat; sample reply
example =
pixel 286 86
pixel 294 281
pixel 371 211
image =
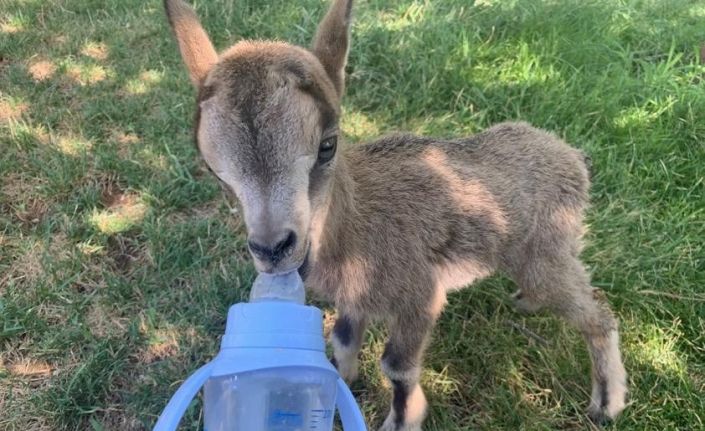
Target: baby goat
pixel 386 230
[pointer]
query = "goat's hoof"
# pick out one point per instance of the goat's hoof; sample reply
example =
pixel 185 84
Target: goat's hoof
pixel 390 424
pixel 603 416
pixel 598 417
pixel 348 370
pixel 602 412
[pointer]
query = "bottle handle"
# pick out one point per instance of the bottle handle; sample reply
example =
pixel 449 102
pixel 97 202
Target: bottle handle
pixel 349 411
pixel 179 402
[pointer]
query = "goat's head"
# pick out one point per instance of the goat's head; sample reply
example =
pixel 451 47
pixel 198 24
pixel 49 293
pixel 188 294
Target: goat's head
pixel 267 126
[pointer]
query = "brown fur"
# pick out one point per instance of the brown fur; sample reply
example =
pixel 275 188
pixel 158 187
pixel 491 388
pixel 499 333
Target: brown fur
pixel 385 230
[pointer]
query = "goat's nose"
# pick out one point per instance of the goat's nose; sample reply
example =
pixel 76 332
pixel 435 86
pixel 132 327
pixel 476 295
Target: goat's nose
pixel 273 251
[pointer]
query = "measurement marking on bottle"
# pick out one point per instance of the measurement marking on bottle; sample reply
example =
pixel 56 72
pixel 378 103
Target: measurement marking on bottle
pixel 285 418
pixel 322 414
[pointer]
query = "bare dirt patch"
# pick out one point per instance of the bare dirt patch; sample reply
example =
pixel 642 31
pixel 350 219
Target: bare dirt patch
pixel 111 193
pixel 33 212
pixel 126 254
pixel 4 62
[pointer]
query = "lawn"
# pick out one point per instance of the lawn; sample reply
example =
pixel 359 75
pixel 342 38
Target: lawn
pixel 119 255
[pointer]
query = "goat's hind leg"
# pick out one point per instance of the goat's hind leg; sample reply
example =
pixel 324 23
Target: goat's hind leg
pixel 401 363
pixel 562 285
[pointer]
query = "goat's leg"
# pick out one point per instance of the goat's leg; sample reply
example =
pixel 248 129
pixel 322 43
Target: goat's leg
pixel 401 363
pixel 562 285
pixel 348 333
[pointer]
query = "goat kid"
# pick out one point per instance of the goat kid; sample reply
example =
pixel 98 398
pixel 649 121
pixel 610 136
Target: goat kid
pixel 386 230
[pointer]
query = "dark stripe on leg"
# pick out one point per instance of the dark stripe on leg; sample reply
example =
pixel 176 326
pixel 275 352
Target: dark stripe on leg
pixel 395 359
pixel 401 394
pixel 604 393
pixel 598 355
pixel 599 358
pixel 343 330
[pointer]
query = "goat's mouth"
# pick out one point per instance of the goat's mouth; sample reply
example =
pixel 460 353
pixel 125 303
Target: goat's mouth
pixel 296 261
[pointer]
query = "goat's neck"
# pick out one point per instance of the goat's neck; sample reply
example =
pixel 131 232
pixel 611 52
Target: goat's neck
pixel 334 222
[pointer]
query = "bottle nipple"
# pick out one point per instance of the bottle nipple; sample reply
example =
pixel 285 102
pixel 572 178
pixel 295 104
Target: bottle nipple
pixel 278 287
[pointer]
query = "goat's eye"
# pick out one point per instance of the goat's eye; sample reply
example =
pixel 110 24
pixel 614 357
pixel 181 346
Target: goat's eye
pixel 326 150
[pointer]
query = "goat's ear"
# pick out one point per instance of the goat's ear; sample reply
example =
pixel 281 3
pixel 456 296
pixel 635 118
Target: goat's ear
pixel 196 49
pixel 332 41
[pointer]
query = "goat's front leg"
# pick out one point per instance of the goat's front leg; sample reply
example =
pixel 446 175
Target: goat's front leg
pixel 401 363
pixel 347 337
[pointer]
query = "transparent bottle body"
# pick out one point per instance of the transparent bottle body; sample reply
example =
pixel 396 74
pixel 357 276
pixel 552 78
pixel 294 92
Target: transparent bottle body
pixel 278 399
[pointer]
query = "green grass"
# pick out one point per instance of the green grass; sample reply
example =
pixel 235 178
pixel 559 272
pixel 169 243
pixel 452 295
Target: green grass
pixel 119 258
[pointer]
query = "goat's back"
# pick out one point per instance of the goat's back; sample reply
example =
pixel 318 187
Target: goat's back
pixel 476 196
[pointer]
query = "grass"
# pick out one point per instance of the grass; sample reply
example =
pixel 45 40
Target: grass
pixel 119 258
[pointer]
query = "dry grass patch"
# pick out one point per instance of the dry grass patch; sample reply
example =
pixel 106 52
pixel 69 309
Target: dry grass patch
pixel 19 412
pixel 204 211
pixel 41 70
pixel 23 379
pixel 162 343
pixel 57 40
pixel 30 368
pixel 118 419
pixel 124 141
pixel 126 138
pixel 72 145
pixel 25 268
pixel 87 74
pixel 18 405
pixel 104 321
pixel 96 51
pixel 124 211
pixel 11 27
pixel 40 134
pixel 143 83
pixel 11 112
pixel 19 198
